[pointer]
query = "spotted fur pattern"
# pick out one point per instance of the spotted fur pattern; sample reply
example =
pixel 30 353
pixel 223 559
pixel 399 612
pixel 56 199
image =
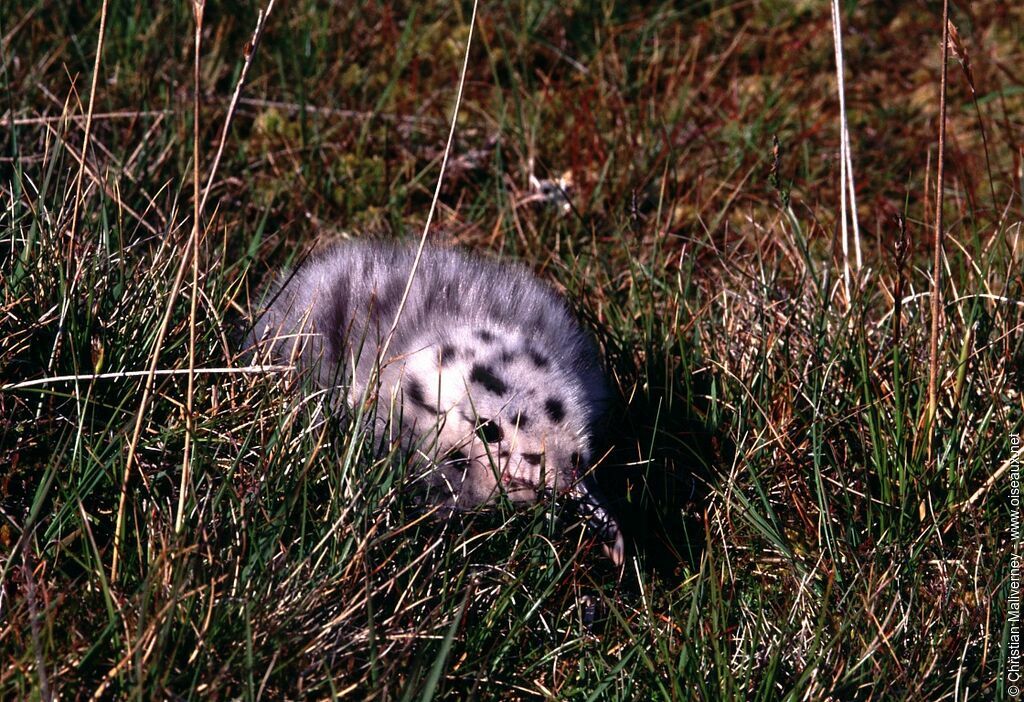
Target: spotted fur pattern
pixel 494 383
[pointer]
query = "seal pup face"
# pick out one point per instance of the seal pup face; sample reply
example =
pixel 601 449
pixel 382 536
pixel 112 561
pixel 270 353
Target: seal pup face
pixel 511 421
pixel 504 407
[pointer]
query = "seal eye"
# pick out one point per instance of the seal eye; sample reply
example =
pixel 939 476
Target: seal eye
pixel 490 431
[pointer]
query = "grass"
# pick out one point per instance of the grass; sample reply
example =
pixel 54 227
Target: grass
pixel 790 538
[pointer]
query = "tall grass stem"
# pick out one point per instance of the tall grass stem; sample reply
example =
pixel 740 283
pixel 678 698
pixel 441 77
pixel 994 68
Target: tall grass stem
pixel 936 296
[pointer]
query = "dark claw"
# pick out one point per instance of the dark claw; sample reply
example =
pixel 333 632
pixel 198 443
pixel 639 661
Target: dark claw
pixel 602 523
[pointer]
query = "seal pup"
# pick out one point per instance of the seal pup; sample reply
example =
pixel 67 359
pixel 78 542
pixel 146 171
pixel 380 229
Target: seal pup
pixel 488 376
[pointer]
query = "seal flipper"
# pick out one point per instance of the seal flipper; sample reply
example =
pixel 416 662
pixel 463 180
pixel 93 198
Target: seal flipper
pixel 599 520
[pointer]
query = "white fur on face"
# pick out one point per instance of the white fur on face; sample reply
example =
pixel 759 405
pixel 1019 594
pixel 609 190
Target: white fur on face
pixel 498 403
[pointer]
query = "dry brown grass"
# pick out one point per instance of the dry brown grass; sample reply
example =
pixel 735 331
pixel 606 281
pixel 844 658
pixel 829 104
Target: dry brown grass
pixel 768 451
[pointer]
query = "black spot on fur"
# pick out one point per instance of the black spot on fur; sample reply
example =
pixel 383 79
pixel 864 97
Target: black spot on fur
pixel 384 301
pixel 444 295
pixel 522 421
pixel 490 431
pixel 485 377
pixel 458 459
pixel 507 356
pixel 485 336
pixel 447 354
pixel 539 359
pixel 338 325
pixel 533 459
pixel 555 409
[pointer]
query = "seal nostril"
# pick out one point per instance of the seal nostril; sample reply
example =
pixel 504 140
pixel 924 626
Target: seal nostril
pixel 575 459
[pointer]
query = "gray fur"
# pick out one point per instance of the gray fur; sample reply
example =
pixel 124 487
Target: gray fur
pixel 495 384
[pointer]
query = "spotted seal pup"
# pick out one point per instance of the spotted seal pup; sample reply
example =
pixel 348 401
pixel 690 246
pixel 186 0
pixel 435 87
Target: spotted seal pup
pixel 493 382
